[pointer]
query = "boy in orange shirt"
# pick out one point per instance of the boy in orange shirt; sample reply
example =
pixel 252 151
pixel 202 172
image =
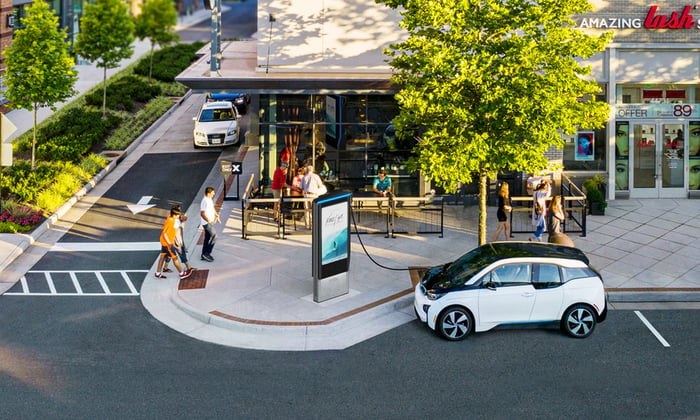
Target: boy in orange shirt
pixel 167 245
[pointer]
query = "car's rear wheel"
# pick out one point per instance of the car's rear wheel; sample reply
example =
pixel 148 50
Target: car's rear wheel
pixel 454 323
pixel 579 321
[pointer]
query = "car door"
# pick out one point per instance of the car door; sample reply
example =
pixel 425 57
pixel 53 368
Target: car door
pixel 549 294
pixel 507 295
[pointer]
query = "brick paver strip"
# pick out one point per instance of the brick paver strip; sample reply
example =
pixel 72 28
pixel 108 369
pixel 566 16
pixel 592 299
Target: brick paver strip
pixel 198 280
pixel 311 323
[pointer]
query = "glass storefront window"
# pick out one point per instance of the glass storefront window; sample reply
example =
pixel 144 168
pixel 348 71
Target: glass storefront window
pixel 587 151
pixel 346 137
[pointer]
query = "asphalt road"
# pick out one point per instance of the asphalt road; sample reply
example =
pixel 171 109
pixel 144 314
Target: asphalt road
pixel 107 358
pixel 101 355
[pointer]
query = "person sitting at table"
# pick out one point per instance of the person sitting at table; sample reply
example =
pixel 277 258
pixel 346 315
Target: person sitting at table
pixel 296 181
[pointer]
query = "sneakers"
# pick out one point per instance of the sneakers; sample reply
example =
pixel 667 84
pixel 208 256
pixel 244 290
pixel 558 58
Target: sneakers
pixel 185 274
pixel 207 258
pixel 161 276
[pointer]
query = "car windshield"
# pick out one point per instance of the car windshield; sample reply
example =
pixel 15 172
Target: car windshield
pixel 209 115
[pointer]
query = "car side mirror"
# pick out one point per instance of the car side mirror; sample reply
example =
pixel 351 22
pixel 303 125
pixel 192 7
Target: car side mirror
pixel 194 118
pixel 490 285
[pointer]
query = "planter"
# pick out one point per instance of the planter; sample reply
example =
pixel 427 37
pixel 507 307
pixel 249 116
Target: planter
pixel 597 208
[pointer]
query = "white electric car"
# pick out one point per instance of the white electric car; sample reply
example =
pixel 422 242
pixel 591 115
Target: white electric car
pixel 512 283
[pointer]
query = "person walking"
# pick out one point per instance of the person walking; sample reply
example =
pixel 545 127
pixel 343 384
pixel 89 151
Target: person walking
pixel 179 243
pixel 209 216
pixel 167 246
pixel 503 212
pixel 539 209
pixel 555 215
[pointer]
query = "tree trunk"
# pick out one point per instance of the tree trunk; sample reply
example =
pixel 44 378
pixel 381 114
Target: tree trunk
pixel 483 191
pixel 150 65
pixel 104 92
pixel 34 137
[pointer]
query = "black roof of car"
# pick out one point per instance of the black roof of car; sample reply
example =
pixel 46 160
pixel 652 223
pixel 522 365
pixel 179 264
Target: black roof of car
pixel 501 250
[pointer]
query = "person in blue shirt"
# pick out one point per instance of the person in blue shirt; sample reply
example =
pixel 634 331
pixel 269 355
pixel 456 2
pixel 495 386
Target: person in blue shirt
pixel 382 184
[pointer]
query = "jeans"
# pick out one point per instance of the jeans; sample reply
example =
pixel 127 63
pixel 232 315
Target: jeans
pixel 539 230
pixel 209 239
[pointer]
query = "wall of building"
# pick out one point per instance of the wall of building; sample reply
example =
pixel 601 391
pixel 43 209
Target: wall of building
pixel 326 35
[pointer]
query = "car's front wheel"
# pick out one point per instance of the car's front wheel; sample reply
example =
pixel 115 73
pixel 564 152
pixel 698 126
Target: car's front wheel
pixel 579 321
pixel 454 323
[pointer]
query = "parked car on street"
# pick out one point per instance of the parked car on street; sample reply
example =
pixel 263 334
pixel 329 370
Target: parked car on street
pixel 239 100
pixel 504 283
pixel 216 125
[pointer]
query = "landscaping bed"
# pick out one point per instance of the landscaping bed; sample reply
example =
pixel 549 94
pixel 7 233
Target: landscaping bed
pixel 70 142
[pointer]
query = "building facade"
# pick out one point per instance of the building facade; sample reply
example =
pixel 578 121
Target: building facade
pixel 324 85
pixel 650 75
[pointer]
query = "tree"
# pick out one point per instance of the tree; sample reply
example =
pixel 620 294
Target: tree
pixel 106 37
pixel 157 22
pixel 38 69
pixel 491 85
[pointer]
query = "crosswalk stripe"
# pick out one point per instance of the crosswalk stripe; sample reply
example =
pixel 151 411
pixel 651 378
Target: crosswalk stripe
pixel 102 282
pixel 98 276
pixel 104 246
pixel 128 282
pixel 76 283
pixel 49 281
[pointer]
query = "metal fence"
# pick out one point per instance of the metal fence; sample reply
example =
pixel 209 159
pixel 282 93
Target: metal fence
pixel 370 215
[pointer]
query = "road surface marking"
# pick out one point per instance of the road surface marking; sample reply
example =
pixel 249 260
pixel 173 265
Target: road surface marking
pixel 652 329
pixel 104 246
pixel 24 284
pixel 142 205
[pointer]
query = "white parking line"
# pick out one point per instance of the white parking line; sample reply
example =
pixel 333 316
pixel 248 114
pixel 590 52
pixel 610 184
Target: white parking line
pixel 652 329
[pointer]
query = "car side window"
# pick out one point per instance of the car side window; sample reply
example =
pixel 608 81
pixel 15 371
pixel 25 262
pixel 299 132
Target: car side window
pixel 576 273
pixel 512 275
pixel 546 275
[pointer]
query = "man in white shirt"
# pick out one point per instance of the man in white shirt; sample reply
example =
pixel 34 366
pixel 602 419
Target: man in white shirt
pixel 209 216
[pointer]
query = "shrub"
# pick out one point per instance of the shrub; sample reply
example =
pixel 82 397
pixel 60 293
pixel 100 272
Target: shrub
pixel 21 182
pixel 132 127
pixel 92 164
pixel 123 93
pixel 71 136
pixel 169 62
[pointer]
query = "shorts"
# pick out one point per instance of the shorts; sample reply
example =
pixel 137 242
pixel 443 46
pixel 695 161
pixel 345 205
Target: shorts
pixel 276 193
pixel 169 251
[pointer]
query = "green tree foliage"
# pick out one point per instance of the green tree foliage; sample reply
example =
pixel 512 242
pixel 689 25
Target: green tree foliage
pixel 39 71
pixel 488 86
pixel 106 37
pixel 157 23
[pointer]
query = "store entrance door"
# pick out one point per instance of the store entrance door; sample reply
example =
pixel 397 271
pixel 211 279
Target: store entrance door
pixel 656 161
